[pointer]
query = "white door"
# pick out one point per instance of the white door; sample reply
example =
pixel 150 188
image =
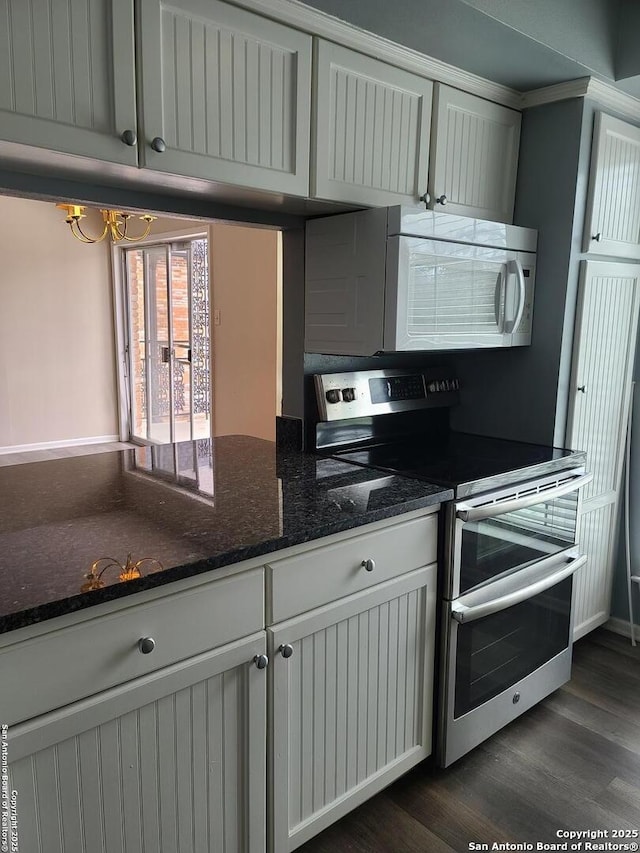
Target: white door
pixel 352 702
pixel 372 129
pixel 67 78
pixel 604 348
pixel 174 762
pixel 612 225
pixel 225 95
pixel 474 159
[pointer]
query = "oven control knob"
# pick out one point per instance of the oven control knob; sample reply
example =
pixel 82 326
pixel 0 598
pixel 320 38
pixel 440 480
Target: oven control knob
pixel 333 396
pixel 516 698
pixel 348 395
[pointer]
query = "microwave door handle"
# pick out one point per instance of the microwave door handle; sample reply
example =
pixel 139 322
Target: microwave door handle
pixel 469 513
pixel 469 613
pixel 499 297
pixel 515 268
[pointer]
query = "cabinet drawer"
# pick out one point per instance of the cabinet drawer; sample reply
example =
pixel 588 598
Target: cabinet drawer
pixel 330 572
pixel 63 666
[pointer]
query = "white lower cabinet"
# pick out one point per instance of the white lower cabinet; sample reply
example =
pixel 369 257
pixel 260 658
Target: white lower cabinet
pixel 170 752
pixel 173 762
pixel 351 702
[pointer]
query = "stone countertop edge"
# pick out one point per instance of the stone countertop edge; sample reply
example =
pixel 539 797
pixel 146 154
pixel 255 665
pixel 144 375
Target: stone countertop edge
pixel 72 604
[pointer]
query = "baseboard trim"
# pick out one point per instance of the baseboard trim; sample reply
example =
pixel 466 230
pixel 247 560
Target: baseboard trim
pixel 622 627
pixel 52 445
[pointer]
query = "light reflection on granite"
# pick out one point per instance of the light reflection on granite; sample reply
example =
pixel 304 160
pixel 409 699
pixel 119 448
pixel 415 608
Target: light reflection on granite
pixel 192 506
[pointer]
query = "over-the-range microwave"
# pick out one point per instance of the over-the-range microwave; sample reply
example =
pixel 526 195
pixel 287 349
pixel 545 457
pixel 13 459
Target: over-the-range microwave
pixel 401 279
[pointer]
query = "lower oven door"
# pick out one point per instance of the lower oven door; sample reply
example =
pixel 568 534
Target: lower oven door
pixel 506 646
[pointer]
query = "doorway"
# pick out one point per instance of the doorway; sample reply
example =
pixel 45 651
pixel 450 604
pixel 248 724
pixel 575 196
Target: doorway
pixel 168 335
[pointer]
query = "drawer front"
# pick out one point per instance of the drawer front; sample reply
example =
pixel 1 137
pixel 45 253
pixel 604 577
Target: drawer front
pixel 58 668
pixel 330 572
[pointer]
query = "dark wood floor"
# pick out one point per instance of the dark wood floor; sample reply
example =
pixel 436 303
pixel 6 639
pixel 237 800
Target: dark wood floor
pixel 572 762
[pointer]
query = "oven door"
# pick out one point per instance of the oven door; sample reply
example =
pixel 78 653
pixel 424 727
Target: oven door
pixel 492 535
pixel 506 646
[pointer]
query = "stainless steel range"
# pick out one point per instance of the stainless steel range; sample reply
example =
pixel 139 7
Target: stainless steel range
pixel 509 547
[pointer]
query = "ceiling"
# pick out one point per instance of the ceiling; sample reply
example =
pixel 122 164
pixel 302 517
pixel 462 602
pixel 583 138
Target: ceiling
pixel 524 44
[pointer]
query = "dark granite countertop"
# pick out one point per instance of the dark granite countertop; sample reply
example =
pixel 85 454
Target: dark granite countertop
pixel 194 507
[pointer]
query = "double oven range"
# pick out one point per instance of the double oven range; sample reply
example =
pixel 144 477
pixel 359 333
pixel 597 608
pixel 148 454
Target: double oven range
pixel 509 549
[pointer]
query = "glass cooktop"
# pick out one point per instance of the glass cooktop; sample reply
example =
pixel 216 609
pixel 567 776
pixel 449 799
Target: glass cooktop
pixel 469 464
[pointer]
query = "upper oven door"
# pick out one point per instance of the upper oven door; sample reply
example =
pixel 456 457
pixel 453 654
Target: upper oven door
pixel 495 534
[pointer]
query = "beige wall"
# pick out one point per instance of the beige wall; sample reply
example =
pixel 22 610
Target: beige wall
pixel 57 362
pixel 244 276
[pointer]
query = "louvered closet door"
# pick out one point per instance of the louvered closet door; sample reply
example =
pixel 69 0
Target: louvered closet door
pixel 612 225
pixel 172 763
pixel 67 79
pixel 352 705
pixel 228 92
pixel 604 347
pixel 372 129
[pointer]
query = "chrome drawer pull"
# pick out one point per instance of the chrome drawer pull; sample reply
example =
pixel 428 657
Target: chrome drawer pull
pixel 368 565
pixel 261 661
pixel 286 650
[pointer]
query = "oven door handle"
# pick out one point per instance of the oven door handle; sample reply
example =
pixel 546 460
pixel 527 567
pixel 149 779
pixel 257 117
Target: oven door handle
pixel 464 613
pixel 465 512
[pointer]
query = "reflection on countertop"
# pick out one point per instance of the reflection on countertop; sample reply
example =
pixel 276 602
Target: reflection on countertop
pixel 192 507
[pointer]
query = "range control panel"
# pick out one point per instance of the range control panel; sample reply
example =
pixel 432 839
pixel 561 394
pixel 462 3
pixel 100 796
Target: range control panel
pixel 375 392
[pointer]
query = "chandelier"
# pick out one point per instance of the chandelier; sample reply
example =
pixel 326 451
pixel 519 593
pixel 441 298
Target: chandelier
pixel 115 224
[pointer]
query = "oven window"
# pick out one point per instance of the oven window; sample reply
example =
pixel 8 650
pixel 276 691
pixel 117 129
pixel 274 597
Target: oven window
pixel 497 546
pixel 495 652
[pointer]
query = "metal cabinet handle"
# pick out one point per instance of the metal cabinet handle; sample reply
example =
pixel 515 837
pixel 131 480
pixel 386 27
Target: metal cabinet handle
pixel 129 137
pixel 146 645
pixel 597 237
pixel 441 199
pixel 426 198
pixel 582 388
pixel 261 661
pixel 286 650
pixel 158 144
pixel 368 565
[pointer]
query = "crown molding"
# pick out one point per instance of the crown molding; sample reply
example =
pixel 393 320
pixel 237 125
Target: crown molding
pixel 586 87
pixel 316 23
pixel 608 96
pixel 559 92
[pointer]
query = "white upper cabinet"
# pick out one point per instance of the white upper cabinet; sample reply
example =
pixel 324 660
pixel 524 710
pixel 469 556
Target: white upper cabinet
pixel 225 95
pixel 67 79
pixel 372 124
pixel 474 156
pixel 612 225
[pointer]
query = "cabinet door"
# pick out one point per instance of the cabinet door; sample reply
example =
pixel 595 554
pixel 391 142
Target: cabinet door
pixel 172 763
pixel 372 128
pixel 67 79
pixel 227 93
pixel 474 158
pixel 612 225
pixel 604 348
pixel 352 704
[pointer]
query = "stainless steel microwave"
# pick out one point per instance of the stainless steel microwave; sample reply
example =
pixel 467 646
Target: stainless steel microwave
pixel 402 279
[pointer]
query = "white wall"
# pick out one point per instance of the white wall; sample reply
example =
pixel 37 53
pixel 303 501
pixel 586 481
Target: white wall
pixel 244 275
pixel 57 363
